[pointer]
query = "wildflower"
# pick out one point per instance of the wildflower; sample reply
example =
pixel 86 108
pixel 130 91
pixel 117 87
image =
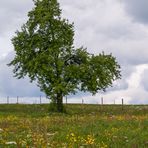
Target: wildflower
pixel 102 145
pixel 72 134
pixel 51 134
pixel 126 140
pixel 1 130
pixel 90 140
pixel 11 142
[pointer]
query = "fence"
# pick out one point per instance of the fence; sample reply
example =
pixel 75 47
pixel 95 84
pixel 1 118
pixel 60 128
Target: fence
pixel 44 100
pixel 24 100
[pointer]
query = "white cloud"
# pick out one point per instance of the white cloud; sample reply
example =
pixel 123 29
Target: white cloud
pixel 13 87
pixel 135 94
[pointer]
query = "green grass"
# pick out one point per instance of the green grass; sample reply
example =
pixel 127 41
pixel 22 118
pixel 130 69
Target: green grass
pixel 90 126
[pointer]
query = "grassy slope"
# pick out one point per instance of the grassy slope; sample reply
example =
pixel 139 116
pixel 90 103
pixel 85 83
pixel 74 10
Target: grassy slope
pixel 82 126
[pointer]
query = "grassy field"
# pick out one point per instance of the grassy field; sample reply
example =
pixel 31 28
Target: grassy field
pixel 83 126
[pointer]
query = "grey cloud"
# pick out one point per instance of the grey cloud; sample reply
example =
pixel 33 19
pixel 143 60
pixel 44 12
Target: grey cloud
pixel 144 80
pixel 104 26
pixel 137 9
pixel 119 85
pixel 10 86
pixel 122 84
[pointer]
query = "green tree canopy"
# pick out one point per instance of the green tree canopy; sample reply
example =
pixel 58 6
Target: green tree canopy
pixel 45 52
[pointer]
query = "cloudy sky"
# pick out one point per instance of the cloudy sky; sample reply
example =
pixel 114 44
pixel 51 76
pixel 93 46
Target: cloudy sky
pixel 113 26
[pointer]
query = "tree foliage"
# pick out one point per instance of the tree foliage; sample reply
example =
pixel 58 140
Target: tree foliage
pixel 45 52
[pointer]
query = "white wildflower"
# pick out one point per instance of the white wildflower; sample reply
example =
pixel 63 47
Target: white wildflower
pixel 11 142
pixel 51 134
pixel 1 130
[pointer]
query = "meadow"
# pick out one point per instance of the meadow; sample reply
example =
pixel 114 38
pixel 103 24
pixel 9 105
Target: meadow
pixel 82 126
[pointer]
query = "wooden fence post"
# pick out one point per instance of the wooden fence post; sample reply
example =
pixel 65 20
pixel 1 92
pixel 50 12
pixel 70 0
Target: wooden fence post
pixel 82 101
pixel 17 99
pixel 122 103
pixel 40 100
pixel 66 99
pixel 7 99
pixel 102 100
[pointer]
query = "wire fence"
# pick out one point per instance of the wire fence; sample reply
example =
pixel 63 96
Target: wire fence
pixel 45 100
pixel 24 100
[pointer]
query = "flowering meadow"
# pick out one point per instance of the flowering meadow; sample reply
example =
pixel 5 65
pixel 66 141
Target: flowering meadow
pixel 82 126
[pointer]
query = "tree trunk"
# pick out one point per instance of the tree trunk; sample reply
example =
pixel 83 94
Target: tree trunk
pixel 59 102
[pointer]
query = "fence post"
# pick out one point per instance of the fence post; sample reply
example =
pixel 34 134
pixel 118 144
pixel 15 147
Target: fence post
pixel 82 101
pixel 40 100
pixel 7 99
pixel 102 100
pixel 122 103
pixel 17 99
pixel 66 99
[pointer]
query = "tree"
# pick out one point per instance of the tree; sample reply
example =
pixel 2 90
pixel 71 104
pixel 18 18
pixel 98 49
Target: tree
pixel 44 52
